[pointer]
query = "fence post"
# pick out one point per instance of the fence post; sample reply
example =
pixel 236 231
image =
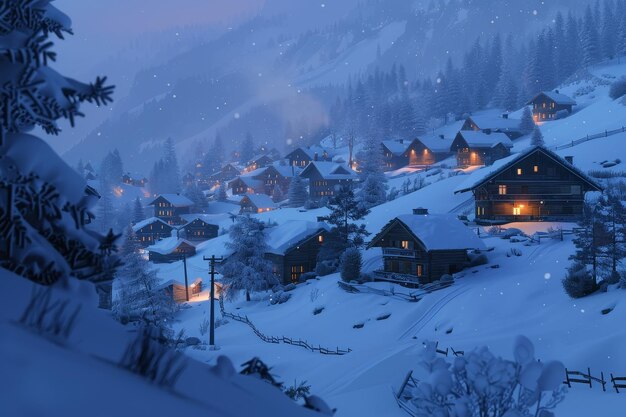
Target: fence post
pixel 589 375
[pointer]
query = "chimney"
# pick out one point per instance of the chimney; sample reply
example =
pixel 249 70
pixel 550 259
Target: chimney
pixel 441 137
pixel 321 219
pixel 487 131
pixel 401 140
pixel 505 115
pixel 570 159
pixel 556 91
pixel 420 211
pixel 315 156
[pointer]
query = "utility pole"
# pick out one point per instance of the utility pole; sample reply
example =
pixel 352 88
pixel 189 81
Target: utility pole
pixel 212 260
pixel 186 283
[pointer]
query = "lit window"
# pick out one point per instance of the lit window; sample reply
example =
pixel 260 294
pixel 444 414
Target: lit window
pixel 405 244
pixel 320 238
pixel 519 171
pixel 502 189
pixel 536 168
pixel 517 211
pixel 420 270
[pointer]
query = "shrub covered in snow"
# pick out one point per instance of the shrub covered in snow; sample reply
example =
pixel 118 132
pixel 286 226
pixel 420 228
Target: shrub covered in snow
pixel 578 282
pixel 618 88
pixel 480 384
pixel 476 259
pixel 351 264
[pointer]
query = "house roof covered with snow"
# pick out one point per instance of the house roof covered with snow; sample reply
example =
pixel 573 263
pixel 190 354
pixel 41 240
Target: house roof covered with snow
pixel 494 122
pixel 311 151
pixel 176 200
pixel 396 147
pixel 480 176
pixel 250 182
pixel 478 139
pixel 435 232
pixel 168 245
pixel 436 144
pixel 259 200
pixel 148 221
pixel 555 96
pixel 291 233
pixel 329 170
pixel 206 218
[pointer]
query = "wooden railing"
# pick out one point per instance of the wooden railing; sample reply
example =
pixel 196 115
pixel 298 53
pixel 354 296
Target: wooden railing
pixel 399 252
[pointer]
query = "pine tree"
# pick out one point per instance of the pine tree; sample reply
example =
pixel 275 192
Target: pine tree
pixel 221 193
pixel 247 269
pixel 609 31
pixel 351 264
pixel 246 153
pixel 138 213
pixel 171 175
pixel 589 39
pixel 573 55
pixel 344 211
pixel 195 194
pixel 537 138
pixel 527 124
pixel 374 182
pixel 277 194
pixel 297 193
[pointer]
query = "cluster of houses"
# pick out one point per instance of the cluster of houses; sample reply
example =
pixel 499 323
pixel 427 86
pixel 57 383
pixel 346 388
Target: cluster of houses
pixel 419 247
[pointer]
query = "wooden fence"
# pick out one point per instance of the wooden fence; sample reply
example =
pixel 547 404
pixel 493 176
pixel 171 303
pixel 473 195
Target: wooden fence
pixel 282 339
pixel 604 134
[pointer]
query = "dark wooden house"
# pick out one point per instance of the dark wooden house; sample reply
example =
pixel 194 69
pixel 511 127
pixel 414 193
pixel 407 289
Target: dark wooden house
pixel 394 154
pixel 198 228
pixel 246 184
pixel 256 203
pixel 533 185
pixel 259 161
pixel 188 179
pixel 301 156
pixel 177 292
pixel 551 105
pixel 427 150
pixel 325 178
pixel 494 123
pixel 293 248
pixel 169 207
pixel 225 174
pixel 170 249
pixel 480 148
pixel 151 230
pixel 264 180
pixel 422 247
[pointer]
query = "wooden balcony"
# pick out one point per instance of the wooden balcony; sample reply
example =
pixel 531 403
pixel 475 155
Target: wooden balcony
pixel 399 253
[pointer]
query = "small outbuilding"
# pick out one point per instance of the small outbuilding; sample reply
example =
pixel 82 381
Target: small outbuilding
pixel 256 203
pixel 170 249
pixel 480 148
pixel 551 105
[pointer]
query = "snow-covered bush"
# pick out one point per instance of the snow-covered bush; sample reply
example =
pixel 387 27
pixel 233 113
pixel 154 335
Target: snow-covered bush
pixel 508 233
pixel 307 276
pixel 618 88
pixel 298 391
pixel 480 384
pixel 578 282
pixel 351 264
pixel 279 297
pixel 476 259
pixel 326 267
pixel 44 203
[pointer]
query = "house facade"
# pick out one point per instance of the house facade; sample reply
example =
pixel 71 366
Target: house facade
pixel 534 185
pixel 301 156
pixel 259 161
pixel 170 207
pixel 551 105
pixel 325 178
pixel 256 203
pixel 169 250
pixel 420 248
pixel 427 150
pixel 197 229
pixel 493 123
pixel 479 148
pixel 152 230
pixel 246 184
pixel 294 247
pixel 394 154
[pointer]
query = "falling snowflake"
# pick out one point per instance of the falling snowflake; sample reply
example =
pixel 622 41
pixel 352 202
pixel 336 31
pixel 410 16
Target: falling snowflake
pixel 535 12
pixel 547 275
pixel 237 115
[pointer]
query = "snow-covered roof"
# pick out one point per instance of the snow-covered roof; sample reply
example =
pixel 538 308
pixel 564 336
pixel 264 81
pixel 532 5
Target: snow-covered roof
pixel 437 232
pixel 176 200
pixel 249 181
pixel 261 200
pixel 147 222
pixel 167 245
pixel 207 218
pixel 329 170
pixel 494 122
pixel 253 173
pixel 557 97
pixel 477 139
pixel 396 147
pixel 283 237
pixel 482 175
pixel 435 143
pixel 312 150
pixel 286 171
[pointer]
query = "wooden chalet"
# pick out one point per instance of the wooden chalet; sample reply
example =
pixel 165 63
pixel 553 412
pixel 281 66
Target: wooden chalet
pixel 198 228
pixel 134 180
pixel 188 179
pixel 256 203
pixel 246 184
pixel 533 185
pixel 494 123
pixel 421 247
pixel 427 150
pixel 225 174
pixel 169 207
pixel 152 230
pixel 480 148
pixel 293 248
pixel 551 105
pixel 259 161
pixel 325 178
pixel 170 249
pixel 394 154
pixel 301 156
pixel 177 292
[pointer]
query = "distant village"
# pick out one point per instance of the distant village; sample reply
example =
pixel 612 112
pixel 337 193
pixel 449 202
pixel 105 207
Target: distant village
pixel 532 185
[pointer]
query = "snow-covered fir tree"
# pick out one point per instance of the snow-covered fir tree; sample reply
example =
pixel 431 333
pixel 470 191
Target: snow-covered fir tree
pixel 297 192
pixel 527 124
pixel 345 210
pixel 277 194
pixel 351 264
pixel 45 242
pixel 195 194
pixel 373 190
pixel 138 212
pixel 537 137
pixel 165 174
pixel 221 193
pixel 246 152
pixel 247 269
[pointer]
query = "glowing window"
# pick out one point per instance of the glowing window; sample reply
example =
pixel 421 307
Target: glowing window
pixel 517 211
pixel 519 171
pixel 536 168
pixel 405 244
pixel 502 189
pixel 320 239
pixel 420 270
